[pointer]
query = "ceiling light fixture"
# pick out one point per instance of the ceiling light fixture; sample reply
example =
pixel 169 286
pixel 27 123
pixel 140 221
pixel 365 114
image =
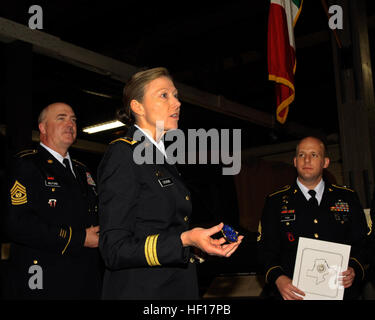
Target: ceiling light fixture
pixel 98 94
pixel 103 126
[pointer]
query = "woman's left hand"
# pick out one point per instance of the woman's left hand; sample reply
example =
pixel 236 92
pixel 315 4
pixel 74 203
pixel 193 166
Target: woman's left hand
pixel 201 238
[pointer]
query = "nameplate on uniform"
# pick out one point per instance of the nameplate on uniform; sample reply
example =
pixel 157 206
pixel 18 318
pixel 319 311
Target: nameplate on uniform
pixel 165 182
pixel 51 183
pixel 287 215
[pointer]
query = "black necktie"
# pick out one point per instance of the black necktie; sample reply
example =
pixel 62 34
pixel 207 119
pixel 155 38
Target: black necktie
pixel 313 201
pixel 67 166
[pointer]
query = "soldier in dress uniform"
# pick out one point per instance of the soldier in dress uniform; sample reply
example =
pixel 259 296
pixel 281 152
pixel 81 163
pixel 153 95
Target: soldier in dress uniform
pixel 311 208
pixel 369 291
pixel 53 217
pixel 145 208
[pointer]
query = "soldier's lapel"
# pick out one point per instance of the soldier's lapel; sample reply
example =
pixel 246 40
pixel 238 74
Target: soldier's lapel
pixel 298 200
pixel 160 160
pixel 298 194
pixel 171 169
pixel 81 178
pixel 326 195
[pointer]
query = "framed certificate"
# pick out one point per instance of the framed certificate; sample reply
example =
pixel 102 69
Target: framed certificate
pixel 318 267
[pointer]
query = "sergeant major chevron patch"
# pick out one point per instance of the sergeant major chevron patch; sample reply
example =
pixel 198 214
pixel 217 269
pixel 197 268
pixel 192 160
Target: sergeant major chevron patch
pixel 18 194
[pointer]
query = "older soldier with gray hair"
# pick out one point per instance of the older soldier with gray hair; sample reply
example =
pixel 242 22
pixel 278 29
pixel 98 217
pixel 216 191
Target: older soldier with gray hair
pixel 52 216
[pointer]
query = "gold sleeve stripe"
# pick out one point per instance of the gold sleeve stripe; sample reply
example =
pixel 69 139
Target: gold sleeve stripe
pixel 70 237
pixel 270 269
pixel 363 270
pixel 62 233
pixel 154 251
pixel 150 250
pixel 146 252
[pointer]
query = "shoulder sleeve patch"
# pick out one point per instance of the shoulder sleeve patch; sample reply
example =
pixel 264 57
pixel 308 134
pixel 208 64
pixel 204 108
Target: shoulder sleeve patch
pixel 285 188
pixel 18 194
pixel 129 141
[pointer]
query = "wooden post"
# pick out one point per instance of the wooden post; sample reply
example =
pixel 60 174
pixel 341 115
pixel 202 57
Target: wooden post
pixel 355 98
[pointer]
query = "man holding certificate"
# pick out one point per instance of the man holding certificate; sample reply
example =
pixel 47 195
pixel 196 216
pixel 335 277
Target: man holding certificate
pixel 310 208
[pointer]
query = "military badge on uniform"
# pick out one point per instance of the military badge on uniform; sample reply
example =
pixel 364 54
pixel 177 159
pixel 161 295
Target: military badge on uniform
pixel 18 194
pixel 285 213
pixel 90 180
pixel 229 233
pixel 52 203
pixel 288 216
pixel 165 182
pixel 340 207
pixel 290 236
pixel 50 182
pixel 341 210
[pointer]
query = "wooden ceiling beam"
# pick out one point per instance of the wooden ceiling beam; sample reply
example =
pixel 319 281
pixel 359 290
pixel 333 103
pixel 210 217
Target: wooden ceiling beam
pixel 54 47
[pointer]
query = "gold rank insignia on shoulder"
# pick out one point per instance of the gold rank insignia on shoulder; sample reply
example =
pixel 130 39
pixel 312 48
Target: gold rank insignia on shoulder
pixel 76 162
pixel 27 152
pixel 131 142
pixel 342 187
pixel 285 188
pixel 18 194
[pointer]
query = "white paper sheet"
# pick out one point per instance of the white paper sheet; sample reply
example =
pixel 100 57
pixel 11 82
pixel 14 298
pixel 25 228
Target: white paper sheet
pixel 318 266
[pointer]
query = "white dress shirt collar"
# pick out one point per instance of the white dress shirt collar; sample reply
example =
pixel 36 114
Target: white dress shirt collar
pixel 319 189
pixel 58 156
pixel 159 145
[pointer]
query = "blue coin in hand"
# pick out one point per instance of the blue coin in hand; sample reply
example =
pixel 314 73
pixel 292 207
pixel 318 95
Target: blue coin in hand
pixel 229 233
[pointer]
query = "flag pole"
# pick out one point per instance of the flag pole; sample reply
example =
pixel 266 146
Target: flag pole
pixel 325 7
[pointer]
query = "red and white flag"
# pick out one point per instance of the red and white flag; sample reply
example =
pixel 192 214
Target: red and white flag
pixel 283 15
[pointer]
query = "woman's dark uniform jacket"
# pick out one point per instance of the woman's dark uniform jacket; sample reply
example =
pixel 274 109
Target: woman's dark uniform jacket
pixel 144 208
pixel 287 216
pixel 49 211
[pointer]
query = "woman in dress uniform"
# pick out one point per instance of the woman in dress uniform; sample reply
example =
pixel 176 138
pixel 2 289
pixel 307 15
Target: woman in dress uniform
pixel 145 208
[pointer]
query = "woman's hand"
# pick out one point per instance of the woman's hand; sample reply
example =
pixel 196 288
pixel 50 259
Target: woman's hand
pixel 201 239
